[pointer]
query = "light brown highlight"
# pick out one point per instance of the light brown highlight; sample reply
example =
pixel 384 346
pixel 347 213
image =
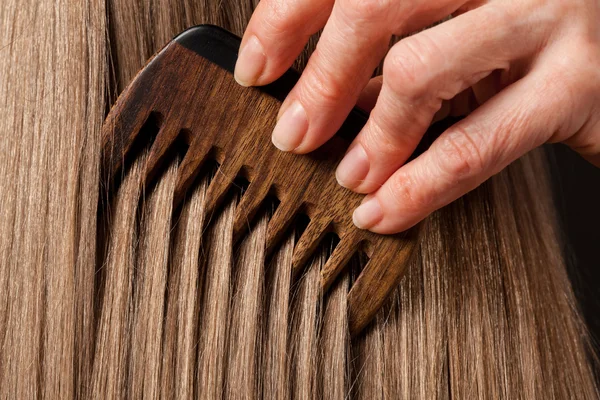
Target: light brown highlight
pixel 142 303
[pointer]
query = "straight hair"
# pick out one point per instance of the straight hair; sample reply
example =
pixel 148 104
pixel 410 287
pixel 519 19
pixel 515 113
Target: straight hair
pixel 140 302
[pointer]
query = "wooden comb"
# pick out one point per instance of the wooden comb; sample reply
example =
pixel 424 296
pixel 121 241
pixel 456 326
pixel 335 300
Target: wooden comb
pixel 187 90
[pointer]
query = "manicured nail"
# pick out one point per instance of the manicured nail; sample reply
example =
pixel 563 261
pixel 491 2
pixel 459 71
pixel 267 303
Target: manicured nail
pixel 368 214
pixel 354 167
pixel 250 63
pixel 291 127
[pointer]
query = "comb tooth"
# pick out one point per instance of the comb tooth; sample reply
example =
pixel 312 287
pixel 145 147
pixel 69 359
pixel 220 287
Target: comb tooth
pixel 248 206
pixel 338 260
pixel 218 187
pixel 376 281
pixel 280 221
pixel 166 136
pixel 310 239
pixel 189 166
pixel 118 133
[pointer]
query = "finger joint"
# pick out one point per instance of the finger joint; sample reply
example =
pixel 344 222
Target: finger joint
pixel 405 193
pixel 405 68
pixel 460 156
pixel 323 87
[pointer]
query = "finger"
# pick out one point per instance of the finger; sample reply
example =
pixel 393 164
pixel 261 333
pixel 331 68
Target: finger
pixel 353 43
pixel 276 34
pixel 518 119
pixel 420 72
pixel 351 46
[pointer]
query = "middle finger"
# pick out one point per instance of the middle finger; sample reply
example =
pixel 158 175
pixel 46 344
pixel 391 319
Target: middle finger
pixel 353 42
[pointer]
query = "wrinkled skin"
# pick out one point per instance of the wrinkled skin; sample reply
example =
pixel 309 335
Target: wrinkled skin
pixel 524 72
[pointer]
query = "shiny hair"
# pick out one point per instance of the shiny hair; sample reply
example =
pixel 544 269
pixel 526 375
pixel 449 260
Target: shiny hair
pixel 142 303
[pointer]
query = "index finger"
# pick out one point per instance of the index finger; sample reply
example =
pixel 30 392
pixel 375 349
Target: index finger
pixel 354 41
pixel 352 44
pixel 276 34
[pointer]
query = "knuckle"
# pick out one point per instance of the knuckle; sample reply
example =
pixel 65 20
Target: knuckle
pixel 459 155
pixel 322 87
pixel 404 192
pixel 576 78
pixel 575 85
pixel 557 10
pixel 379 141
pixel 584 72
pixel 405 64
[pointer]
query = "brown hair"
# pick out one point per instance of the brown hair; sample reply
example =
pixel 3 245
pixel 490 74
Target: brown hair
pixel 142 303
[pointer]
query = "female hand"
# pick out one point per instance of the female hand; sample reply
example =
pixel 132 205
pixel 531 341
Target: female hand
pixel 531 68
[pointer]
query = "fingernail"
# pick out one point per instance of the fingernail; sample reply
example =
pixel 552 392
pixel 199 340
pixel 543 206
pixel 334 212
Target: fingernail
pixel 290 128
pixel 250 63
pixel 354 167
pixel 368 214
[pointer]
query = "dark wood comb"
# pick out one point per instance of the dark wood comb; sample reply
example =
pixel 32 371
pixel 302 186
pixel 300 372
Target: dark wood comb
pixel 188 92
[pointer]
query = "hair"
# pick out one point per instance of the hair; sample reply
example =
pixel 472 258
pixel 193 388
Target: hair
pixel 141 302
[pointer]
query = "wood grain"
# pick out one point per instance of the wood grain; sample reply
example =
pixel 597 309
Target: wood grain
pixel 199 104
